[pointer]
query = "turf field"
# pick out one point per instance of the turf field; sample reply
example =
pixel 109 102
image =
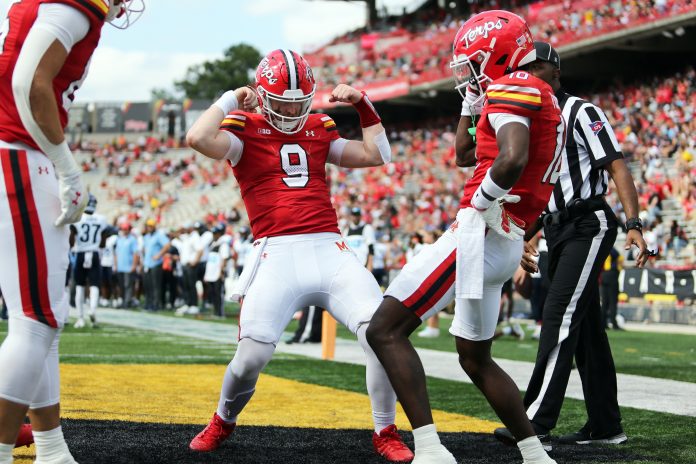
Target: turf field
pixel 132 396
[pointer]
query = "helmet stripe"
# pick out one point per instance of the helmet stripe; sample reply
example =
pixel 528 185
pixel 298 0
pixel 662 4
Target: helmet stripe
pixel 292 69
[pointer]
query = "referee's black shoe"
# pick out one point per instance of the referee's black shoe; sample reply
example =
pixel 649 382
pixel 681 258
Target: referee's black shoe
pixel 585 437
pixel 505 436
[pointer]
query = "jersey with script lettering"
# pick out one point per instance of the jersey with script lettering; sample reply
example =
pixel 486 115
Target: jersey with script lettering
pixel 282 177
pixel 13 32
pixel 524 95
pixel 88 232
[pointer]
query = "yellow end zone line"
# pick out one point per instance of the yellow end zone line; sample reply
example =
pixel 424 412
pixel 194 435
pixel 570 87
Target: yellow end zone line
pixel 188 394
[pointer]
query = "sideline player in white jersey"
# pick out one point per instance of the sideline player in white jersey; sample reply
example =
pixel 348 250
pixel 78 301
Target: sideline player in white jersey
pixel 45 49
pixel 87 236
pixel 360 237
pixel 299 258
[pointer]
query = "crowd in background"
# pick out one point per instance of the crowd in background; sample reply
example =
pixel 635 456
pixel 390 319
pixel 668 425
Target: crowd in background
pixel 418 46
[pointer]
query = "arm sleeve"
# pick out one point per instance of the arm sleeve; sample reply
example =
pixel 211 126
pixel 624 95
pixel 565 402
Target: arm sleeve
pixel 498 120
pixel 597 136
pixel 234 154
pixel 336 151
pixel 68 24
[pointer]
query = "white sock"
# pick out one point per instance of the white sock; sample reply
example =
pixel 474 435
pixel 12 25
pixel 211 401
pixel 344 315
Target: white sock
pixel 426 437
pixel 50 445
pixel 6 453
pixel 532 450
pixel 80 300
pixel 382 420
pixel 93 300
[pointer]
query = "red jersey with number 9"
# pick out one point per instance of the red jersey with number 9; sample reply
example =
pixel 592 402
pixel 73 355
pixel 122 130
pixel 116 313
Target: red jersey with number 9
pixel 13 32
pixel 522 94
pixel 282 177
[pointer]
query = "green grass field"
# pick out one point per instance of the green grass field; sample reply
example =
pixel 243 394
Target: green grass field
pixel 654 437
pixel 659 355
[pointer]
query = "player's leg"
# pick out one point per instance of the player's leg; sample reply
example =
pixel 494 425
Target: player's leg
pixel 474 326
pixel 32 282
pixel 95 280
pixel 44 413
pixel 266 310
pixel 424 287
pixel 80 276
pixel 354 295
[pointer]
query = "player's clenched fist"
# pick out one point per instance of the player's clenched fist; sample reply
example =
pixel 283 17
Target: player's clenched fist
pixel 345 94
pixel 246 98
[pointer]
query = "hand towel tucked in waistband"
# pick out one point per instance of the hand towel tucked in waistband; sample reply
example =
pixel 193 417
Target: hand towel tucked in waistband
pixel 471 233
pixel 249 271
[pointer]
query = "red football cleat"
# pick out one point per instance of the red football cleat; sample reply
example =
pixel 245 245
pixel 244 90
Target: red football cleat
pixel 212 435
pixel 25 437
pixel 388 443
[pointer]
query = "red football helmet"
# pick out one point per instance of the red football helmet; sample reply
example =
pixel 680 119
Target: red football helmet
pixel 488 46
pixel 285 88
pixel 124 13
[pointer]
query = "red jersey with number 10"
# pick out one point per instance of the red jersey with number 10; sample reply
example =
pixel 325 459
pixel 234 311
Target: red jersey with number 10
pixel 15 28
pixel 282 177
pixel 522 94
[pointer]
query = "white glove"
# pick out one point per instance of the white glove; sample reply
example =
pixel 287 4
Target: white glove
pixel 472 105
pixel 73 199
pixel 500 221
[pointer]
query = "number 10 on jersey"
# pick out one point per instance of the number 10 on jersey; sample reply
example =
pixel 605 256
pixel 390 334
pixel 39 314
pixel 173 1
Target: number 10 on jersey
pixel 293 159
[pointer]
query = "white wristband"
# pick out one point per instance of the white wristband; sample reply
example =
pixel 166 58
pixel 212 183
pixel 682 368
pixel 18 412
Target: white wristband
pixel 383 146
pixel 228 102
pixel 62 158
pixel 487 192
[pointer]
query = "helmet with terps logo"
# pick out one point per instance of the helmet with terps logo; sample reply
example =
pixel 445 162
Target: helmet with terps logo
pixel 488 46
pixel 285 88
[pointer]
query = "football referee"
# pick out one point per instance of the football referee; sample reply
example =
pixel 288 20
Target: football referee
pixel 580 230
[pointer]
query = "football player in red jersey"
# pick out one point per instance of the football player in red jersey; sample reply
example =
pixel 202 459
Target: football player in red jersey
pixel 299 258
pixel 45 48
pixel 519 137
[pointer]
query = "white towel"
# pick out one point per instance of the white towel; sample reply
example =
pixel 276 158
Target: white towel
pixel 250 265
pixel 471 233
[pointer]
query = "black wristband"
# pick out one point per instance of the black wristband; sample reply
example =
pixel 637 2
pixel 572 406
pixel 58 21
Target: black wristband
pixel 634 224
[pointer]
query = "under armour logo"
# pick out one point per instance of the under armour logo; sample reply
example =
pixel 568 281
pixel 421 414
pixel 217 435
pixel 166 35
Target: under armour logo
pixel 76 201
pixel 264 255
pixel 309 133
pixel 43 170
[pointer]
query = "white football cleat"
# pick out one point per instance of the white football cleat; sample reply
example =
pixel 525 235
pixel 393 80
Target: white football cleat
pixel 434 455
pixel 79 323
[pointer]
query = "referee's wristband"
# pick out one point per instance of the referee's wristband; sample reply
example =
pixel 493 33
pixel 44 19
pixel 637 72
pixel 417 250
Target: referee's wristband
pixel 634 224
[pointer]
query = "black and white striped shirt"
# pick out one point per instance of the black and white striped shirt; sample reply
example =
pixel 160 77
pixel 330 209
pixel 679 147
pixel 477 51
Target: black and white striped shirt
pixel 590 145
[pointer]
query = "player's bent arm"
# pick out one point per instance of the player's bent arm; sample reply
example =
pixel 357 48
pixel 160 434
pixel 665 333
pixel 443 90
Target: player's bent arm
pixel 374 150
pixel 205 135
pixel 464 145
pixel 513 154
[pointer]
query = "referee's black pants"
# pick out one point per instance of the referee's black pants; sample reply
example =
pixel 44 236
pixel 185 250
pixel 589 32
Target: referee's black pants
pixel 574 326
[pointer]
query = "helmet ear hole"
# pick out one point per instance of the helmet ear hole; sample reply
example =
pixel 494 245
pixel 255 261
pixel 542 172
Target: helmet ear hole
pixel 501 61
